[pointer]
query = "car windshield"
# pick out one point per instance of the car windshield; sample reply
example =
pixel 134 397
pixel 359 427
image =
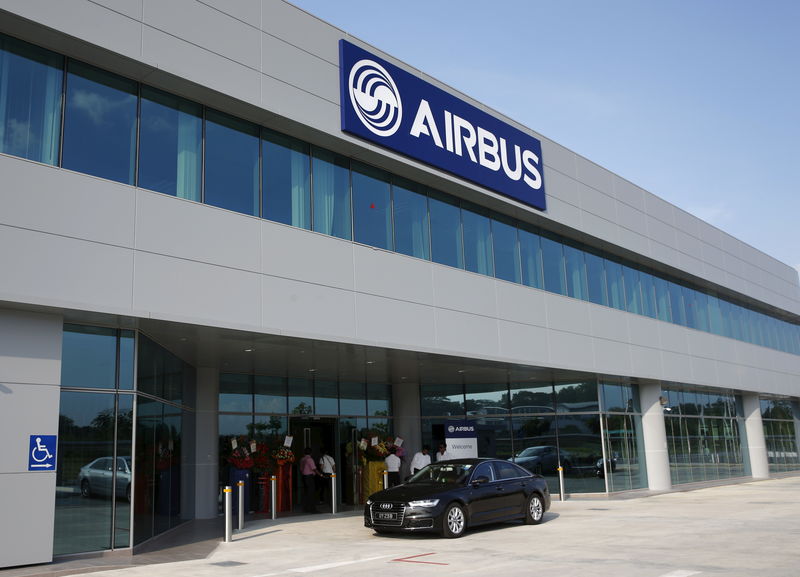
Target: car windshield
pixel 532 452
pixel 443 473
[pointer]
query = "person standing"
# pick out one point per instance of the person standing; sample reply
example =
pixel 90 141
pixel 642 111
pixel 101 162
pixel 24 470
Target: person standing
pixel 421 459
pixel 309 472
pixel 328 467
pixel 393 467
pixel 442 454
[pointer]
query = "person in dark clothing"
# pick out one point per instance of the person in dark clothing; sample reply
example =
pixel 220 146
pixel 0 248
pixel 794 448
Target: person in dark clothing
pixel 309 473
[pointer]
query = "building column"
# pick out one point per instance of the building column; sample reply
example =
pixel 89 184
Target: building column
pixel 756 442
pixel 30 396
pixel 654 433
pixel 407 423
pixel 207 443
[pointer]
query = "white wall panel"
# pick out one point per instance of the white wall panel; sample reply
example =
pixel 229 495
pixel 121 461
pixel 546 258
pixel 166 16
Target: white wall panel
pixel 394 276
pixel 571 350
pixel 393 322
pixel 609 324
pixel 521 304
pixel 523 342
pixel 172 226
pixel 595 176
pixel 646 362
pixel 173 288
pixel 468 292
pixel 612 357
pixel 469 334
pixel 566 314
pixel 299 68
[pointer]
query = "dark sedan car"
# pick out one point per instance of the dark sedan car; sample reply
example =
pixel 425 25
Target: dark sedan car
pixel 450 496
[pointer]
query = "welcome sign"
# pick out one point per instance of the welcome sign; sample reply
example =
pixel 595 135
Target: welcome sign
pixel 390 107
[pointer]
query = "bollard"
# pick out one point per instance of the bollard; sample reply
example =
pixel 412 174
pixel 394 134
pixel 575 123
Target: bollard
pixel 333 494
pixel 386 479
pixel 273 505
pixel 228 519
pixel 240 486
pixel 561 482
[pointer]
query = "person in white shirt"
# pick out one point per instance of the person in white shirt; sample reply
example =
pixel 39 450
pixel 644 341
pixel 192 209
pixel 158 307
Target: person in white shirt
pixel 421 459
pixel 442 454
pixel 327 467
pixel 393 467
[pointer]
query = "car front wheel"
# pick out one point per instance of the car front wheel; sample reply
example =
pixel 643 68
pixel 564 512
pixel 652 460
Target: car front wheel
pixel 455 521
pixel 86 490
pixel 534 512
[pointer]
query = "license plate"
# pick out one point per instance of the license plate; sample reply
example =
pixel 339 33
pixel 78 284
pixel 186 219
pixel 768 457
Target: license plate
pixel 386 516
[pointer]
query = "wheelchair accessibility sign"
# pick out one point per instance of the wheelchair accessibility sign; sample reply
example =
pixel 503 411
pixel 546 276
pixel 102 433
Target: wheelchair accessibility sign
pixel 42 453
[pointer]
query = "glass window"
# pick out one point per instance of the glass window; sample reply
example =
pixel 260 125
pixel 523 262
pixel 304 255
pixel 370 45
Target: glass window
pixel 326 398
pixel 690 305
pixel 576 397
pixel 301 396
pixel 633 290
pixel 269 394
pixel 531 398
pixel 231 164
pixel 486 401
pixel 171 144
pixel 127 356
pixel 352 399
pixel 379 399
pixel 287 175
pixel 331 183
pixel 411 228
pixel 701 302
pixel 446 241
pixel 31 81
pixel 714 315
pixel 648 294
pixel 478 256
pixel 506 251
pixel 576 273
pixel 100 123
pixel 531 258
pixel 236 393
pixel 596 279
pixel 372 215
pixel 442 400
pixel 89 357
pixel 616 286
pixel 676 304
pixel 663 305
pixel 554 270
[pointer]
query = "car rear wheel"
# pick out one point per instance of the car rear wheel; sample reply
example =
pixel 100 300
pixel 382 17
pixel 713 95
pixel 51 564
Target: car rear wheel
pixel 534 512
pixel 86 490
pixel 455 521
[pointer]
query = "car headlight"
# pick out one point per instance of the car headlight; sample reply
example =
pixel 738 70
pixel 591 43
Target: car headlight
pixel 369 501
pixel 424 503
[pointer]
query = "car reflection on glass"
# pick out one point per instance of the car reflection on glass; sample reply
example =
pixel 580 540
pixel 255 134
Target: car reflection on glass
pixel 449 496
pixel 96 477
pixel 542 459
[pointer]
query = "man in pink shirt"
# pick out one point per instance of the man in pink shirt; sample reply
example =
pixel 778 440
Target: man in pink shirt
pixel 308 470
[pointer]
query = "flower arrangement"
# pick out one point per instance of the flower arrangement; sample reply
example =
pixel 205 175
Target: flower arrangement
pixel 262 461
pixel 283 455
pixel 379 451
pixel 241 456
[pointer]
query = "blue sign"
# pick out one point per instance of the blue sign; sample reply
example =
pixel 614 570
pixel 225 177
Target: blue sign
pixel 390 107
pixel 42 453
pixel 460 430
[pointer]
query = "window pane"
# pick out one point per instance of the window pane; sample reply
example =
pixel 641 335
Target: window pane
pixel 553 261
pixel 506 252
pixel 576 273
pixel 442 400
pixel 486 401
pixel 231 163
pixel 30 100
pixel 236 393
pixel 596 279
pixel 633 290
pixel 411 230
pixel 446 243
pixel 371 207
pixel 379 398
pixel 331 194
pixel 529 399
pixel 88 357
pixel 531 257
pixel 326 398
pixel 170 148
pixel 301 396
pixel 477 242
pixel 676 304
pixel 648 294
pixel 616 291
pixel 576 397
pixel 269 394
pixel 663 306
pixel 127 355
pixel 287 172
pixel 352 399
pixel 100 123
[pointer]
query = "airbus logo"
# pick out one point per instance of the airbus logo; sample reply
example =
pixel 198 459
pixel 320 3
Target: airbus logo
pixel 375 98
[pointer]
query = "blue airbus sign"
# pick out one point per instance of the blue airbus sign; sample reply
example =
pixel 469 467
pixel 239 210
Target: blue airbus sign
pixel 390 107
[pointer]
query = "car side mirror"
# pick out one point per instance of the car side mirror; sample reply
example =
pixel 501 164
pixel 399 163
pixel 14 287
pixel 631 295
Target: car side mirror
pixel 483 479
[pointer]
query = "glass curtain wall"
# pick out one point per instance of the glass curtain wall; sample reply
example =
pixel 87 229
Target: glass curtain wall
pixel 779 417
pixel 542 425
pixel 703 435
pixel 95 441
pixel 256 171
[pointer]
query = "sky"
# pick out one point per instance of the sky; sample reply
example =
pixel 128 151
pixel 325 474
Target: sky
pixel 696 101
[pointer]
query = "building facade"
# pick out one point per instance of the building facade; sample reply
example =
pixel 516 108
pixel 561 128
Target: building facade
pixel 204 262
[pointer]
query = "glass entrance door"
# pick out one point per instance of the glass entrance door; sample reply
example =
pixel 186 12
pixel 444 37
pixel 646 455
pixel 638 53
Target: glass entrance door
pixel 320 434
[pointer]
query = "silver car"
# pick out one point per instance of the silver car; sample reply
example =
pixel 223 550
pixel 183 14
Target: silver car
pixel 96 477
